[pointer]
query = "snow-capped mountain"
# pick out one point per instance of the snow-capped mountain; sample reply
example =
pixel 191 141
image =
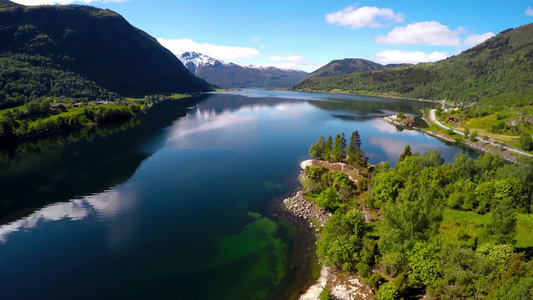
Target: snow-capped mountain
pixel 194 61
pixel 230 75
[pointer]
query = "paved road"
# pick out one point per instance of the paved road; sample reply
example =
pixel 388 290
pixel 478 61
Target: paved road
pixel 490 141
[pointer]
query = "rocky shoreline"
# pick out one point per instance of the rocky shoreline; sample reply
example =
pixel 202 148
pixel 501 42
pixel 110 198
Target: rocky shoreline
pixel 342 285
pixel 306 210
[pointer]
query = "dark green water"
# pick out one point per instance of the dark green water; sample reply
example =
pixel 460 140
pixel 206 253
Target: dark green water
pixel 181 203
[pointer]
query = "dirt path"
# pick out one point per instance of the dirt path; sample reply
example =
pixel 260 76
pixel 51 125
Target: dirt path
pixel 346 168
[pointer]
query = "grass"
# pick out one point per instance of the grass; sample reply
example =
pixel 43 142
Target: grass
pixel 524 237
pixel 462 228
pixel 78 112
pixel 178 96
pixel 483 126
pixel 311 197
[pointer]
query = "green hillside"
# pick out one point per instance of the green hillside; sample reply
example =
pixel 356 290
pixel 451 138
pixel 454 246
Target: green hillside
pixel 345 66
pixel 98 45
pixel 495 71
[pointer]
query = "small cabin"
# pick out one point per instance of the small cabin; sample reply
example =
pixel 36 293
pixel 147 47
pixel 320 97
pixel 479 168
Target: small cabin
pixel 60 107
pixel 450 119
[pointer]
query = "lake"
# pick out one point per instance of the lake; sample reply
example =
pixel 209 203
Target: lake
pixel 181 203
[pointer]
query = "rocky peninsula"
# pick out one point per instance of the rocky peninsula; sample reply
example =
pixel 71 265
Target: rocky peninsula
pixel 344 286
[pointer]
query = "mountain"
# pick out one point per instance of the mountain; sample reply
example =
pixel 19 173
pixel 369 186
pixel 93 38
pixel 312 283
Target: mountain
pixel 97 45
pixel 348 66
pixel 230 75
pixel 497 71
pixel 345 66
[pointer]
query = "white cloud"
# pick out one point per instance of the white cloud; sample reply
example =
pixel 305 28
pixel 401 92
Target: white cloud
pixel 41 2
pixel 365 16
pixel 216 51
pixel 529 11
pixel 399 56
pixel 474 39
pixel 426 33
pixel 290 59
pixel 255 39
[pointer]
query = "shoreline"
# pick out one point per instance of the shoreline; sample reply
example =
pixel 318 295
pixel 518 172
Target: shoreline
pixel 344 286
pixel 480 147
pixel 15 141
pixel 370 95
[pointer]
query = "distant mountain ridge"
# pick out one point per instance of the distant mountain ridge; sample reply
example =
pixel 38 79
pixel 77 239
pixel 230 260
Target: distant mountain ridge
pixel 497 71
pixel 349 66
pixel 96 44
pixel 230 75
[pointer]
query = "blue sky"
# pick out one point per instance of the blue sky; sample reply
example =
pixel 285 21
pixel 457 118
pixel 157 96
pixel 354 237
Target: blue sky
pixel 308 34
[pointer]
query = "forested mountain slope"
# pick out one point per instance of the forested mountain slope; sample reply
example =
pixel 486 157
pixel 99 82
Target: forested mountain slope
pixel 498 70
pixel 100 46
pixel 348 66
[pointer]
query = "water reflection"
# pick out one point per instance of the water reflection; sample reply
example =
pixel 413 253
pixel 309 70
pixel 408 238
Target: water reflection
pixel 104 206
pixel 186 133
pixel 384 127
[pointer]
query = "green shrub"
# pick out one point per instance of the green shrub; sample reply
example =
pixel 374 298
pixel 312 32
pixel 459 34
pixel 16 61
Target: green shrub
pixel 363 270
pixel 326 295
pixel 473 136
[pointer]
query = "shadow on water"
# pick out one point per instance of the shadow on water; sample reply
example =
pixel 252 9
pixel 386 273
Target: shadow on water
pixel 85 162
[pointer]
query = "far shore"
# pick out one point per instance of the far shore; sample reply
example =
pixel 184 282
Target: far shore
pixel 479 146
pixel 369 95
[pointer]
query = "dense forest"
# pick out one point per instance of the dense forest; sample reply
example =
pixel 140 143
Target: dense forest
pixel 98 45
pixel 496 71
pixel 25 78
pixel 349 66
pixel 445 230
pixel 66 67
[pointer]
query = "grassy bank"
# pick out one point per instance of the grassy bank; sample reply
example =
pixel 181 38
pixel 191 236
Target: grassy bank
pixel 43 118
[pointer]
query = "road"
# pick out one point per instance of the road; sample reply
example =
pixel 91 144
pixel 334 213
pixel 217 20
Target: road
pixel 490 141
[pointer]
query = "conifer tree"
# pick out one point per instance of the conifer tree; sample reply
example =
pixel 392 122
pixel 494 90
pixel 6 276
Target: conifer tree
pixel 327 149
pixel 356 156
pixel 355 142
pixel 317 149
pixel 406 152
pixel 338 152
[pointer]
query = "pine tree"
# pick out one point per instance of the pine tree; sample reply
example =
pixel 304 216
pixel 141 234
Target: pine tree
pixel 338 152
pixel 356 156
pixel 406 152
pixel 343 146
pixel 317 149
pixel 327 149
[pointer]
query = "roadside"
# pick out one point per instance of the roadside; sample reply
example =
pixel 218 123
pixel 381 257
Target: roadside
pixel 490 141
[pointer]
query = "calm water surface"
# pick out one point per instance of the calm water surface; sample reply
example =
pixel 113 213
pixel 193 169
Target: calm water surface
pixel 177 205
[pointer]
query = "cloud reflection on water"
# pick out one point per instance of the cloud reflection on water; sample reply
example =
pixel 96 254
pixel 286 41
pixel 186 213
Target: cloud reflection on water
pixel 104 206
pixel 384 127
pixel 393 148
